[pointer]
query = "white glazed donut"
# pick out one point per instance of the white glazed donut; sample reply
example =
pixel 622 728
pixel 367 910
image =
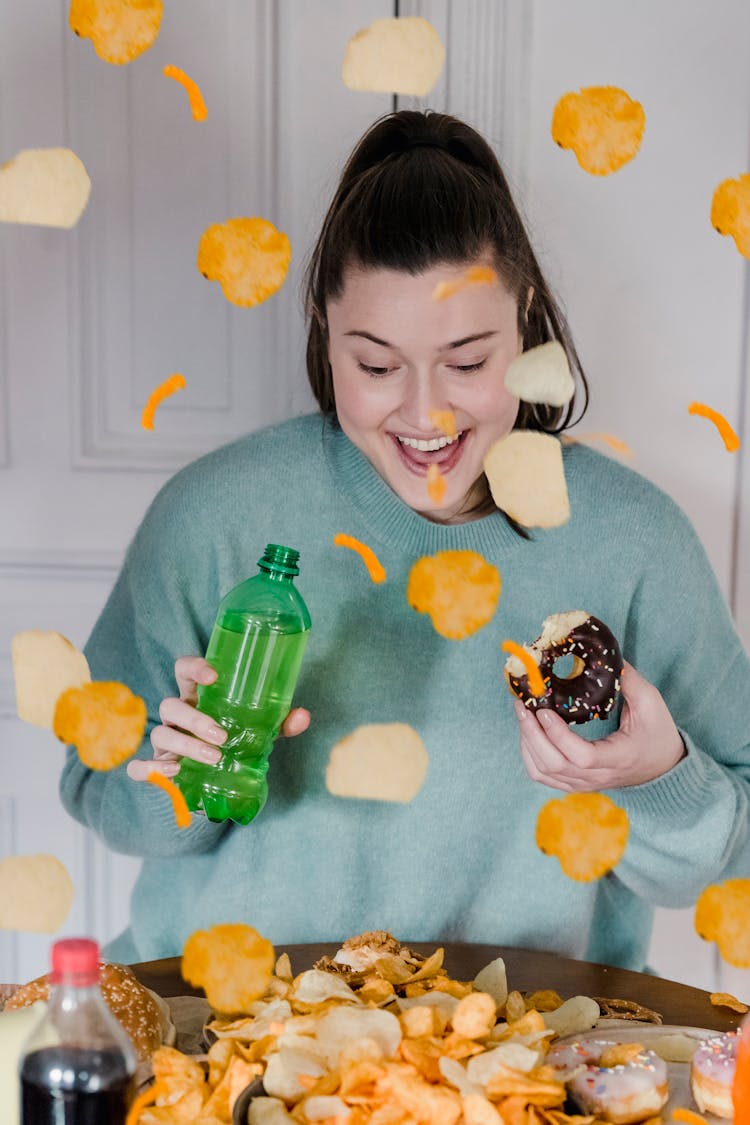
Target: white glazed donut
pixel 712 1072
pixel 624 1093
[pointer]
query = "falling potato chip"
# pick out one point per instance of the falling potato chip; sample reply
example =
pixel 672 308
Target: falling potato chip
pixel 232 963
pixel 394 56
pixel 730 211
pixel 587 832
pixel 378 762
pixel 36 893
pixel 722 914
pixel 103 720
pixel 603 126
pixel 541 374
pixel 47 187
pixel 120 30
pixel 248 257
pixel 458 589
pixel 527 479
pixel 45 664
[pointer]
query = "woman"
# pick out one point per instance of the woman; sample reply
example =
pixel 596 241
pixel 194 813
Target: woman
pixel 422 199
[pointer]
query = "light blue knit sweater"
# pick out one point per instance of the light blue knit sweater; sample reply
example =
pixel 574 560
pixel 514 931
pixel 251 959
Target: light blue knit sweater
pixel 459 862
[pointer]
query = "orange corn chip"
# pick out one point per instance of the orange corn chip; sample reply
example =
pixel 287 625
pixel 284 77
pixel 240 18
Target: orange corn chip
pixel 603 126
pixel 459 590
pixel 436 485
pixel 233 965
pixel 374 566
pixel 613 442
pixel 174 383
pixel 104 721
pixel 730 211
pixel 728 436
pixel 192 89
pixel 679 1113
pixel 587 832
pixel 536 680
pixel 726 1000
pixel 179 804
pixel 722 914
pixel 120 30
pixel 248 257
pixel 476 275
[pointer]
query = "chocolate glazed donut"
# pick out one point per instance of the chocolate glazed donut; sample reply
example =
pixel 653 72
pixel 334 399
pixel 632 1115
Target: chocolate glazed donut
pixel 593 686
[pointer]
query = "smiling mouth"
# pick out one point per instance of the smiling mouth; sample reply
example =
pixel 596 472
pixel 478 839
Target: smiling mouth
pixel 418 454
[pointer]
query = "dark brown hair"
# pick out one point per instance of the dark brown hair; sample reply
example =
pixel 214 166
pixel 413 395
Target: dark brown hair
pixel 420 189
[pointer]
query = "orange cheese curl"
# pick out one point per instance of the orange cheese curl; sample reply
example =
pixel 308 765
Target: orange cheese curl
pixel 197 104
pixel 536 681
pixel 375 568
pixel 143 1100
pixel 728 436
pixel 179 804
pixel 476 275
pixel 436 485
pixel 164 390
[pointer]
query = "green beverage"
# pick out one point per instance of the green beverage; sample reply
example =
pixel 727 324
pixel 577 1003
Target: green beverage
pixel 256 647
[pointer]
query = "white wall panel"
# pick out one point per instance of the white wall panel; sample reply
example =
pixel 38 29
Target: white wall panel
pixel 654 294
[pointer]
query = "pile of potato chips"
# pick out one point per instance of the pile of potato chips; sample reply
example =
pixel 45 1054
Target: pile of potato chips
pixel 378 1036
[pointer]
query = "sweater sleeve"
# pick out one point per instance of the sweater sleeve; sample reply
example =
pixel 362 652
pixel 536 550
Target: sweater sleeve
pixel 689 827
pixel 160 607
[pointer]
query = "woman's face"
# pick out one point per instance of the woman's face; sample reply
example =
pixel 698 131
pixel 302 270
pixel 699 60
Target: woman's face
pixel 397 354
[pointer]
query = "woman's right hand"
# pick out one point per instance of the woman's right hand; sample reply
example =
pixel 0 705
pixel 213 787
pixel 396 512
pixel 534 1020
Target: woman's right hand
pixel 184 731
pixel 187 733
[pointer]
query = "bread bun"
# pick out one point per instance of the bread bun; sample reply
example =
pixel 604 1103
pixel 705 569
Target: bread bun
pixel 132 1004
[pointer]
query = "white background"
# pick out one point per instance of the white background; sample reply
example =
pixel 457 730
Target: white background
pixel 92 319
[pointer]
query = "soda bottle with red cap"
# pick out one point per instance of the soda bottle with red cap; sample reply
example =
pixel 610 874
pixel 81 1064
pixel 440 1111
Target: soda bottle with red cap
pixel 78 1066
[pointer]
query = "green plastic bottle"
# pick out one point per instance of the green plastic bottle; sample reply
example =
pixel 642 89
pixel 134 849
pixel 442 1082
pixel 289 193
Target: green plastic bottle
pixel 257 644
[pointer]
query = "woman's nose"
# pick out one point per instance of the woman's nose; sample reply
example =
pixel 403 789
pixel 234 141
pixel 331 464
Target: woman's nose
pixel 423 393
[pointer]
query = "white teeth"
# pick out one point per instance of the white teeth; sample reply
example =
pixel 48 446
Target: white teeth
pixel 429 446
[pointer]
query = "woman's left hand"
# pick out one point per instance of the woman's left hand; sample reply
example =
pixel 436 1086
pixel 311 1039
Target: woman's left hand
pixel 647 744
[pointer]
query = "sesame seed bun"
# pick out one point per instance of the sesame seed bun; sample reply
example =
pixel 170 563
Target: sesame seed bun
pixel 138 1010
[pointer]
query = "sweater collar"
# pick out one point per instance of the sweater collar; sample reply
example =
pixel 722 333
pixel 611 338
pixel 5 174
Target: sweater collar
pixel 391 520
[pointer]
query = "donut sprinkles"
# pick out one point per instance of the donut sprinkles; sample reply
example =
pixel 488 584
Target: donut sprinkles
pixel 712 1073
pixel 625 1093
pixel 593 687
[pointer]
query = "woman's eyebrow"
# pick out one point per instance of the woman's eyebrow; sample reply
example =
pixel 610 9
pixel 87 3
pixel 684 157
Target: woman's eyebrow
pixel 445 348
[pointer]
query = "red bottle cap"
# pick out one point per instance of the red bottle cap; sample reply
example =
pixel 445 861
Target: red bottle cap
pixel 75 961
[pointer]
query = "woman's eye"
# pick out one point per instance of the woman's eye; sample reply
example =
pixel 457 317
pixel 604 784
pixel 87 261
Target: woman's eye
pixel 378 372
pixel 467 368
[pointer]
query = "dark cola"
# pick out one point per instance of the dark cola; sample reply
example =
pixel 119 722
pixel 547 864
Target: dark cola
pixel 75 1086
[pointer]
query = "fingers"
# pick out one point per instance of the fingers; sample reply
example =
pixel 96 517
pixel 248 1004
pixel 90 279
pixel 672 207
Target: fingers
pixel 180 713
pixel 168 741
pixel 138 770
pixel 190 671
pixel 554 755
pixel 296 722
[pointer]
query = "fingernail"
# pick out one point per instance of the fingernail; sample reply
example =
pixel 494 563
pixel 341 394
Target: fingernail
pixel 544 717
pixel 210 755
pixel 217 734
pixel 210 675
pixel 171 771
pixel 520 710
